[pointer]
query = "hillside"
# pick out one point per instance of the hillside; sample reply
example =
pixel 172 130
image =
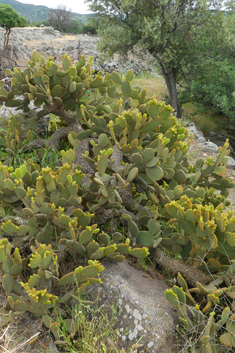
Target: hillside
pixel 37 12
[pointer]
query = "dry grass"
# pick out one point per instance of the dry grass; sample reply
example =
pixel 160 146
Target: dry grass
pixel 154 84
pixel 8 342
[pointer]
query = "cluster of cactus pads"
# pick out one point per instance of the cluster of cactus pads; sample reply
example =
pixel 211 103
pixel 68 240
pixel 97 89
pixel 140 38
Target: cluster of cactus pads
pixel 141 174
pixel 195 320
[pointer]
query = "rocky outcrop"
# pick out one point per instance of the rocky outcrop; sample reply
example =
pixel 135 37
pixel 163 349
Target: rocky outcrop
pixel 49 42
pixel 19 37
pixel 144 315
pixel 208 146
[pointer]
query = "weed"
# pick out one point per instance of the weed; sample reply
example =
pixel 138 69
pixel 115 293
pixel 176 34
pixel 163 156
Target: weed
pixel 95 332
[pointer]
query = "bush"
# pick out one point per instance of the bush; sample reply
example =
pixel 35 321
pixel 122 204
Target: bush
pixel 214 87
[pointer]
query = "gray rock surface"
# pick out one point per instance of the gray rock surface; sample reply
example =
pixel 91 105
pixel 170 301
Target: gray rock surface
pixel 45 41
pixel 42 124
pixel 201 139
pixel 231 163
pixel 209 146
pixel 144 315
pixel 193 129
pixel 32 34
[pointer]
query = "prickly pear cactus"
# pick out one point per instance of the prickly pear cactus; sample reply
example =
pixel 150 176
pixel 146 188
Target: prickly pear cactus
pixel 216 297
pixel 54 214
pixel 13 139
pixel 139 176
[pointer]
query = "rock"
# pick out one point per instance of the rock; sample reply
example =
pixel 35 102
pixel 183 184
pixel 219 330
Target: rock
pixel 231 163
pixel 7 112
pixel 196 132
pixel 42 124
pixel 144 315
pixel 209 147
pixel 70 45
pixel 201 139
pixel 82 45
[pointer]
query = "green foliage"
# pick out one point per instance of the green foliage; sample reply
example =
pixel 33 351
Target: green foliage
pixel 15 139
pixel 75 27
pixel 9 18
pixel 39 23
pixel 215 90
pixel 90 26
pixel 49 85
pixel 46 198
pixel 179 34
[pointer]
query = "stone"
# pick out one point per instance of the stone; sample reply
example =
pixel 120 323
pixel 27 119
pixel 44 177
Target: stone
pixel 6 111
pixel 209 147
pixel 201 139
pixel 70 45
pixel 231 163
pixel 196 132
pixel 42 124
pixel 143 313
pixel 82 45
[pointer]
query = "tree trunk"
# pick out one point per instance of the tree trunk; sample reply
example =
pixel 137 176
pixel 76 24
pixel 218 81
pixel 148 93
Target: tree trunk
pixel 6 39
pixel 191 274
pixel 170 79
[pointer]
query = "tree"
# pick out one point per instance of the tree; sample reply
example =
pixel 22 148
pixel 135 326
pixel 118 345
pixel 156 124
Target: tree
pixel 75 26
pixel 60 18
pixel 9 18
pixel 90 26
pixel 170 30
pixel 211 80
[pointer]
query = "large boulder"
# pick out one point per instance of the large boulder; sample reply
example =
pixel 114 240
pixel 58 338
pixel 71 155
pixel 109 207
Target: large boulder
pixel 198 134
pixel 231 163
pixel 144 316
pixel 209 146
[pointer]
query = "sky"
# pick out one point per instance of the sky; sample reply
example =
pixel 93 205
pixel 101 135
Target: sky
pixel 74 5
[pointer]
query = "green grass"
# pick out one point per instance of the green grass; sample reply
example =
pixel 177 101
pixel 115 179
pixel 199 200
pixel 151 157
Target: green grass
pixel 45 157
pixel 203 118
pixel 96 332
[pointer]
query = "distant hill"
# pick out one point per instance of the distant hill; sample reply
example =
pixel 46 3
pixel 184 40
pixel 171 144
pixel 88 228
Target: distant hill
pixel 37 12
